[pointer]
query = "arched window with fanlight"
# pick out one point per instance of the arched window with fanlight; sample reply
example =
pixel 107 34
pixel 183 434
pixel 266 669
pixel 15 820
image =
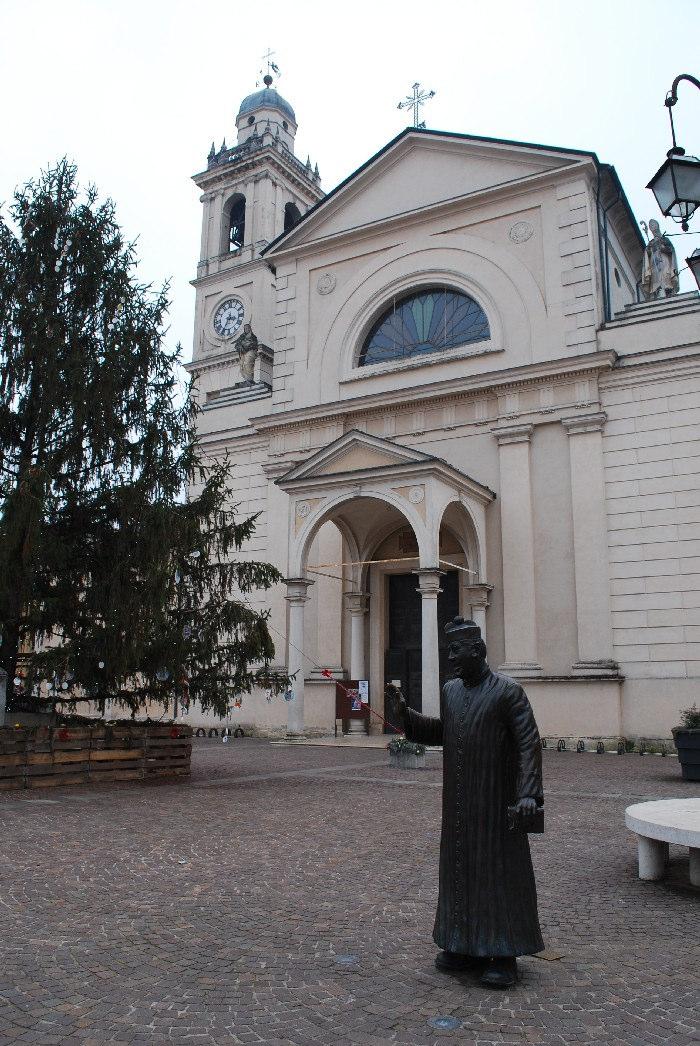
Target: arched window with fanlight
pixel 423 323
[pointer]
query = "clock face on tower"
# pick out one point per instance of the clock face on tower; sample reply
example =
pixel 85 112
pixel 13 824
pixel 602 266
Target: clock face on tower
pixel 228 317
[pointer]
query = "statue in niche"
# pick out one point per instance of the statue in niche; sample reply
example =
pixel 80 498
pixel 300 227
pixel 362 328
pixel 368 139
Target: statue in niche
pixel 492 796
pixel 659 267
pixel 248 346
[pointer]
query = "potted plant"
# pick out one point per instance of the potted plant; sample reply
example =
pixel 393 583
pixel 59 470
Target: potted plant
pixel 407 755
pixel 686 738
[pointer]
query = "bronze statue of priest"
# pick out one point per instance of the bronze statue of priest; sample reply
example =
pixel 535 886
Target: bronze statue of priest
pixel 487 906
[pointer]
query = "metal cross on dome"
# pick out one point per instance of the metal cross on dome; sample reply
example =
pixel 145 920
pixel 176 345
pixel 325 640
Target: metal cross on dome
pixel 267 57
pixel 415 101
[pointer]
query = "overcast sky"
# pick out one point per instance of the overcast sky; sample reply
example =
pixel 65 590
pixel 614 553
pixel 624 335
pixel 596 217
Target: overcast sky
pixel 134 91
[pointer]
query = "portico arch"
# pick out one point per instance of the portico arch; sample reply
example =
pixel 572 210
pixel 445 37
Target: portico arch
pixel 331 508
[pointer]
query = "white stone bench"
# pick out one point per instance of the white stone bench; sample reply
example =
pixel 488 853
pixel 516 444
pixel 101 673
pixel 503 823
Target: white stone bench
pixel 659 823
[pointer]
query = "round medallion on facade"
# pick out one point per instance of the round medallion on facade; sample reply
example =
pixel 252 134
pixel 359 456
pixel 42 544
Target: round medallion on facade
pixel 228 317
pixel 303 509
pixel 416 495
pixel 521 232
pixel 326 283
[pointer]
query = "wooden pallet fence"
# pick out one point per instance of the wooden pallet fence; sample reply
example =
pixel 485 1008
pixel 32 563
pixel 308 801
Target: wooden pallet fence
pixel 42 757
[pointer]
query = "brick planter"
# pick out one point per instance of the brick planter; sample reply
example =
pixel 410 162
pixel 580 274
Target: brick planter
pixel 43 756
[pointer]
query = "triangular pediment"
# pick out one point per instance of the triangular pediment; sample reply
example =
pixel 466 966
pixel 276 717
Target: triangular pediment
pixel 420 169
pixel 355 451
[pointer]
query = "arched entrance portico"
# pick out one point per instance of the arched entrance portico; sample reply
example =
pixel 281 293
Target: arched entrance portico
pixel 370 488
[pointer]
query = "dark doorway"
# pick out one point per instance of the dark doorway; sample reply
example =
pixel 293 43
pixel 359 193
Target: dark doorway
pixel 403 657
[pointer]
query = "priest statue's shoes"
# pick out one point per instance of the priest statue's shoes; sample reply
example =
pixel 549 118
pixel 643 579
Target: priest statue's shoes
pixel 454 962
pixel 500 973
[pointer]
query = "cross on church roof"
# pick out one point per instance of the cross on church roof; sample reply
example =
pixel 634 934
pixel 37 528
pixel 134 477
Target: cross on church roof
pixel 415 101
pixel 267 57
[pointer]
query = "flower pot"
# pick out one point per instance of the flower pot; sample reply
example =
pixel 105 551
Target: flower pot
pixel 688 744
pixel 406 760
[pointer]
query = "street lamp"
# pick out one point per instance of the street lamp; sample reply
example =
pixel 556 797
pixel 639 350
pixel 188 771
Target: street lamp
pixel 693 263
pixel 676 184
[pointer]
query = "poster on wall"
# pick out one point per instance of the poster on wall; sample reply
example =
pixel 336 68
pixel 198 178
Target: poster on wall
pixel 363 690
pixel 355 699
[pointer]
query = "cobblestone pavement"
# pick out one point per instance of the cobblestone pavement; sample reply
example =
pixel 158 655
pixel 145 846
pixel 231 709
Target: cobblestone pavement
pixel 285 896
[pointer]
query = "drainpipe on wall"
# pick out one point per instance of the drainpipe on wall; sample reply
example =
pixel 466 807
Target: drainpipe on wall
pixel 603 246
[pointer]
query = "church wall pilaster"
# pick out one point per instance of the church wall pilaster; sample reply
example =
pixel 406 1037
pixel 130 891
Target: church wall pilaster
pixel 595 650
pixel 518 549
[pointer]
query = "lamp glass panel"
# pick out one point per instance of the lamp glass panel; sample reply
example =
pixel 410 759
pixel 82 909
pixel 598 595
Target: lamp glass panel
pixel 693 263
pixel 688 181
pixel 662 187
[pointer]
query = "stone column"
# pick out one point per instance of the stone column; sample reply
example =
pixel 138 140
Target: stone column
pixel 595 650
pixel 476 599
pixel 357 603
pixel 429 588
pixel 518 548
pixel 212 238
pixel 278 528
pixel 297 596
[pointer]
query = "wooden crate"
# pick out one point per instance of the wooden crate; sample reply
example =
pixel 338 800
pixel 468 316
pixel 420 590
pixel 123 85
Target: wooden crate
pixel 44 757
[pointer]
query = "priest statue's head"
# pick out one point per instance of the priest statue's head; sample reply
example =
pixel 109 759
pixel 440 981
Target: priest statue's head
pixel 466 652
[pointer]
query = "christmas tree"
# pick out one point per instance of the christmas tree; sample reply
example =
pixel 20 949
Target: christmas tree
pixel 118 541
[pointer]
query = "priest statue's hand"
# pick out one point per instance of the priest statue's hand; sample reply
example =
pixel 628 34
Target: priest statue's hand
pixel 403 708
pixel 523 815
pixel 525 808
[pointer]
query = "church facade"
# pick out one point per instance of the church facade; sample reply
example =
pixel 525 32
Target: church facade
pixel 441 394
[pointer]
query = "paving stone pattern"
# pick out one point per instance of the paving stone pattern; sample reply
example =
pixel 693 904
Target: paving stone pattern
pixel 285 896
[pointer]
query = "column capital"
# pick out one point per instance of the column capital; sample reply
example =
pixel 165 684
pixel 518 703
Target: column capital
pixel 512 434
pixel 297 589
pixel 581 423
pixel 478 595
pixel 357 602
pixel 429 581
pixel 275 469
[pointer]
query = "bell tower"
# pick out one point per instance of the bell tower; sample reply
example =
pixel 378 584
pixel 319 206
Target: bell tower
pixel 251 193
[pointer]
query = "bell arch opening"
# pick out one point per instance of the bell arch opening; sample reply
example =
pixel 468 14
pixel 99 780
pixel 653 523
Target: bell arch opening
pixel 233 224
pixel 292 215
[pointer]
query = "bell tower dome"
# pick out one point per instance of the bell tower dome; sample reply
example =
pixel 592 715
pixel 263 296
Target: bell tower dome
pixel 264 109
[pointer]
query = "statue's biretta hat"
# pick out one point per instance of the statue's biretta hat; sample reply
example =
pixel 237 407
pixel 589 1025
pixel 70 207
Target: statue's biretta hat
pixel 463 629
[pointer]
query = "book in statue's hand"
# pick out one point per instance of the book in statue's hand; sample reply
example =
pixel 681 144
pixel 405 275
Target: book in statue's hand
pixel 533 823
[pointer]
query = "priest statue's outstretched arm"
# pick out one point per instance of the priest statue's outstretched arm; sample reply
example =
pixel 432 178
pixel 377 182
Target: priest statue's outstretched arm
pixel 426 730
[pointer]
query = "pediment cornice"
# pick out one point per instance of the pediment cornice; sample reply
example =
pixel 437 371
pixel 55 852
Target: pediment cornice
pixel 441 208
pixel 358 458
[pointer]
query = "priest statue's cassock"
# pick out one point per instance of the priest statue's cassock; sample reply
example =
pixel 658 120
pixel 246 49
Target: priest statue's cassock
pixel 492 757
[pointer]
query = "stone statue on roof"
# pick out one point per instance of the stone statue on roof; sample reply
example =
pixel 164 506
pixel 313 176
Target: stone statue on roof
pixel 659 267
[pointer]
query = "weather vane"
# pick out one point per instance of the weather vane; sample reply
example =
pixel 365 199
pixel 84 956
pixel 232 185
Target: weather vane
pixel 415 101
pixel 267 57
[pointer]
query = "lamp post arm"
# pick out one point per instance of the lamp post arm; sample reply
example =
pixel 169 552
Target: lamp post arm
pixel 672 96
pixel 671 99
